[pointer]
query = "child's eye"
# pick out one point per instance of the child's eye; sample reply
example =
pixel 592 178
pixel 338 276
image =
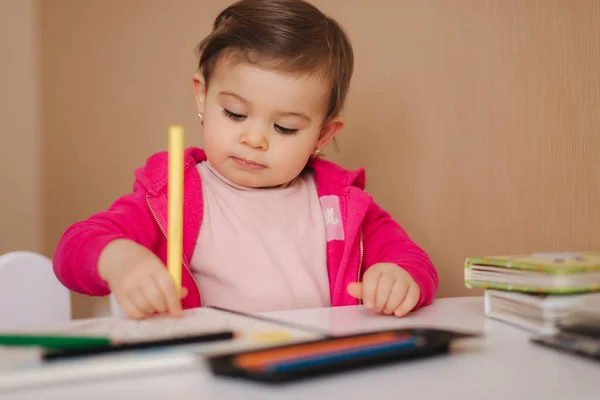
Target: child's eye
pixel 285 131
pixel 233 116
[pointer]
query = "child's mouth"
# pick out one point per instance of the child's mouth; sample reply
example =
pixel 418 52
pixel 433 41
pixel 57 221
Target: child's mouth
pixel 247 164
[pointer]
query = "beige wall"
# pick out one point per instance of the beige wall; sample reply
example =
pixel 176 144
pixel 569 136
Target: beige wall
pixel 20 137
pixel 478 122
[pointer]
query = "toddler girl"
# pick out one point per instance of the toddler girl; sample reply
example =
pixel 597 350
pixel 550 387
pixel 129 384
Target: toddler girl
pixel 268 225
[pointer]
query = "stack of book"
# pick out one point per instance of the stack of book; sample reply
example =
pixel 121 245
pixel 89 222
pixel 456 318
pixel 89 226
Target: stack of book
pixel 543 293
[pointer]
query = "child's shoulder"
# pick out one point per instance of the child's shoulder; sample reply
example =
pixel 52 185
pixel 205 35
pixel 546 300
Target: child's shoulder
pixel 155 172
pixel 328 173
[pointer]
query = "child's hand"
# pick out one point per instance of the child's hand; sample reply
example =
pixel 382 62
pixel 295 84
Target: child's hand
pixel 139 280
pixel 387 288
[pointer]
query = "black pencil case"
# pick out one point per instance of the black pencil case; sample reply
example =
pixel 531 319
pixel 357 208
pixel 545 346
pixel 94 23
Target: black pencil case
pixel 334 354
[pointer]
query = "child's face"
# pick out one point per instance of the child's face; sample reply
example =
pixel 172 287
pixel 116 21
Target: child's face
pixel 262 126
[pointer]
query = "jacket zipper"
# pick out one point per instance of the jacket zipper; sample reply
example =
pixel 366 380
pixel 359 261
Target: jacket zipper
pixel 165 234
pixel 360 262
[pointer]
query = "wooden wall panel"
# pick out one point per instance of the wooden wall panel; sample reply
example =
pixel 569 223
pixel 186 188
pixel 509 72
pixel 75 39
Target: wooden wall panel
pixel 478 121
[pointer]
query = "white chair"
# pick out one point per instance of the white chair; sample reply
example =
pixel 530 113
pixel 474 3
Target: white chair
pixel 30 293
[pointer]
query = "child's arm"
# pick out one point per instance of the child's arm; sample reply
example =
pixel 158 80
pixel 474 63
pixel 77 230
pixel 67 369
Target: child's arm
pixel 76 257
pixel 386 242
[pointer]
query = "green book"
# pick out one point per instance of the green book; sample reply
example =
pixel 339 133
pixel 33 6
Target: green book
pixel 554 273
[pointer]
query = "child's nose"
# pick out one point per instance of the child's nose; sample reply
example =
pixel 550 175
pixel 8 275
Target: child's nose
pixel 255 140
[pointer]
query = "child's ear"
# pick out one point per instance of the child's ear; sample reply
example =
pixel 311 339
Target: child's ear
pixel 329 130
pixel 199 90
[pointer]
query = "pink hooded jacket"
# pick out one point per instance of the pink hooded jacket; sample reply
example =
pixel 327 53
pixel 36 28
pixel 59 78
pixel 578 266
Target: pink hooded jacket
pixel 359 232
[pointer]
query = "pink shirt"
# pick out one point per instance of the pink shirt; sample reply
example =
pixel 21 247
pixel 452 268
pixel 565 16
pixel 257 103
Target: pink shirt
pixel 261 249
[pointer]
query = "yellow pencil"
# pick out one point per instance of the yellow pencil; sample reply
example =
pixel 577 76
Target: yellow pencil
pixel 175 207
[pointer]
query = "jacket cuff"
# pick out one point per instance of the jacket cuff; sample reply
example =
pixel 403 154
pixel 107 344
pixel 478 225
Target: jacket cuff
pixel 90 280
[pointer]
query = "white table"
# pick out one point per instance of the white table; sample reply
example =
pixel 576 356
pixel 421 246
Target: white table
pixel 504 365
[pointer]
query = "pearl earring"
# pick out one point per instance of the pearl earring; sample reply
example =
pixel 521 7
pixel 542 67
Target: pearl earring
pixel 316 153
pixel 201 118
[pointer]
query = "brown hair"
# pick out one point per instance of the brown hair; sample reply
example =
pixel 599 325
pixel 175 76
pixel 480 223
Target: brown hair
pixel 290 35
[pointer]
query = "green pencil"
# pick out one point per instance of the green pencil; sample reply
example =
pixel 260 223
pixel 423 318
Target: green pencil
pixel 54 341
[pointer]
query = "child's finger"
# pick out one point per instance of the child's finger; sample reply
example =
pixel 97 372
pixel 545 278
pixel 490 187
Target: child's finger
pixel 409 302
pixel 397 295
pixel 154 296
pixel 370 287
pixel 131 309
pixel 140 301
pixel 167 286
pixel 384 288
pixel 355 289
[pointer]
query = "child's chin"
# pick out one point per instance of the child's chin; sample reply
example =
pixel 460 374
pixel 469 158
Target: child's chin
pixel 248 179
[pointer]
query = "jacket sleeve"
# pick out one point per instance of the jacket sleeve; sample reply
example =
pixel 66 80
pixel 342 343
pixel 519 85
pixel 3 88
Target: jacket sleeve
pixel 385 241
pixel 75 260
